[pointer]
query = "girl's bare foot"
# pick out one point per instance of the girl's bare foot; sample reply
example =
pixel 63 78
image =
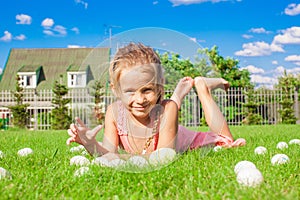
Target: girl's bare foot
pixel 183 87
pixel 214 83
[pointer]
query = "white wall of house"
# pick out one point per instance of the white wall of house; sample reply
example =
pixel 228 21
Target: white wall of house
pixel 27 79
pixel 76 79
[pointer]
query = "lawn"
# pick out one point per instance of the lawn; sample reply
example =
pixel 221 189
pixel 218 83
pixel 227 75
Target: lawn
pixel 199 174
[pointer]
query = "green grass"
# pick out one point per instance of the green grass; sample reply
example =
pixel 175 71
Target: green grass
pixel 199 174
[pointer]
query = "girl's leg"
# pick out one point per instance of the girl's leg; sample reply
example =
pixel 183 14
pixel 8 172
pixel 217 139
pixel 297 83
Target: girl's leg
pixel 213 115
pixel 183 87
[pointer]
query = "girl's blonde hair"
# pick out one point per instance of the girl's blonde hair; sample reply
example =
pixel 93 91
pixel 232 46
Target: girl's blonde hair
pixel 134 55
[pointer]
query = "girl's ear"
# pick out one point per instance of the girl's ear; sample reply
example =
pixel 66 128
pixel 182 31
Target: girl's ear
pixel 163 81
pixel 113 89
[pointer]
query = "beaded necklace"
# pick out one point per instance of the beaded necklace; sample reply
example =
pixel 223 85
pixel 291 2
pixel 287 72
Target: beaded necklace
pixel 154 131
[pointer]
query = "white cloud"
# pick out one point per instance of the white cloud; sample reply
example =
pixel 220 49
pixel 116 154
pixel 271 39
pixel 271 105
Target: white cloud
pixel 254 70
pixel 263 80
pixel 259 30
pixel 258 49
pixel 288 36
pixel 47 23
pixel 269 81
pixel 48 32
pixel 60 30
pixel 294 59
pixel 201 41
pixel 295 70
pixel 23 19
pixel 20 37
pixel 279 70
pixel 7 37
pixel 188 2
pixel 75 46
pixel 275 62
pixel 85 4
pixel 246 36
pixel 193 39
pixel 57 30
pixel 1 70
pixel 164 44
pixel 76 30
pixel 292 9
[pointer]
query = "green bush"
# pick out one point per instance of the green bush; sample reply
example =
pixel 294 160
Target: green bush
pixel 19 111
pixel 61 119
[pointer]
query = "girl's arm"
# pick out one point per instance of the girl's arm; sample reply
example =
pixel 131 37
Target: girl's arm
pixel 111 138
pixel 168 125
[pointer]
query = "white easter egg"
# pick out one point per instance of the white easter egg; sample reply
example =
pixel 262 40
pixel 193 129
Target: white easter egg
pixel 81 171
pixel 250 177
pixel 282 145
pixel 2 154
pixel 25 152
pixel 244 164
pixel 218 148
pixel 79 161
pixel 162 156
pixel 294 141
pixel 279 159
pixel 5 174
pixel 101 161
pixel 138 161
pixel 260 150
pixel 117 163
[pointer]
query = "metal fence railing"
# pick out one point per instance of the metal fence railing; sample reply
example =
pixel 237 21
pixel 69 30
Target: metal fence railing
pixel 82 104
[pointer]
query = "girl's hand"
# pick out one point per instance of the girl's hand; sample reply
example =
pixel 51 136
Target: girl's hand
pixel 81 134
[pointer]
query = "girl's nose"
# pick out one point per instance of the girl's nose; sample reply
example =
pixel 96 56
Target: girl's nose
pixel 139 97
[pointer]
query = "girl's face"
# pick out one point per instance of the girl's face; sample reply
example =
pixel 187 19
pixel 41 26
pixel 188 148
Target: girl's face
pixel 138 92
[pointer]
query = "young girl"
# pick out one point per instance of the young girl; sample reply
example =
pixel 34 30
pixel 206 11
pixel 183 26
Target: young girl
pixel 141 121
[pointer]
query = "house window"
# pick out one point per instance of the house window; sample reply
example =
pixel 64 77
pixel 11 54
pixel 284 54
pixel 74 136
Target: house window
pixel 76 79
pixel 27 80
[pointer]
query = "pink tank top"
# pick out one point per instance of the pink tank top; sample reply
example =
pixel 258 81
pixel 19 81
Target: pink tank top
pixel 123 130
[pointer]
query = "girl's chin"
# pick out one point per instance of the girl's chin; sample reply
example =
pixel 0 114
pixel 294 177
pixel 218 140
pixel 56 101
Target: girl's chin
pixel 139 114
pixel 141 110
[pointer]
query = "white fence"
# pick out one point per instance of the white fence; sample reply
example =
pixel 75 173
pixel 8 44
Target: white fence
pixel 82 105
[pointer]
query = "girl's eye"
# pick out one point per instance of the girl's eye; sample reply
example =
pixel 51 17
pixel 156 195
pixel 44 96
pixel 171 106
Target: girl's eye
pixel 147 90
pixel 129 92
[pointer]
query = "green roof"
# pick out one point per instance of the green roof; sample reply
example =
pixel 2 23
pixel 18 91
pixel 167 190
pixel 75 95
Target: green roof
pixel 29 68
pixel 74 68
pixel 55 62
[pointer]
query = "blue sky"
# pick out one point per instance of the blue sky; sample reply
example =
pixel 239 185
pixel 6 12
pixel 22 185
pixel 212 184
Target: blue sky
pixel 263 35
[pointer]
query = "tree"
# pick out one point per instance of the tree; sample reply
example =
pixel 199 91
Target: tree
pixel 201 64
pixel 99 108
pixel 19 111
pixel 174 69
pixel 287 84
pixel 227 68
pixel 177 68
pixel 251 105
pixel 59 115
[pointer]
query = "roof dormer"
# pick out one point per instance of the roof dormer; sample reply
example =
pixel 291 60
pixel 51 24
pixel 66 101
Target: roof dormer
pixel 30 76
